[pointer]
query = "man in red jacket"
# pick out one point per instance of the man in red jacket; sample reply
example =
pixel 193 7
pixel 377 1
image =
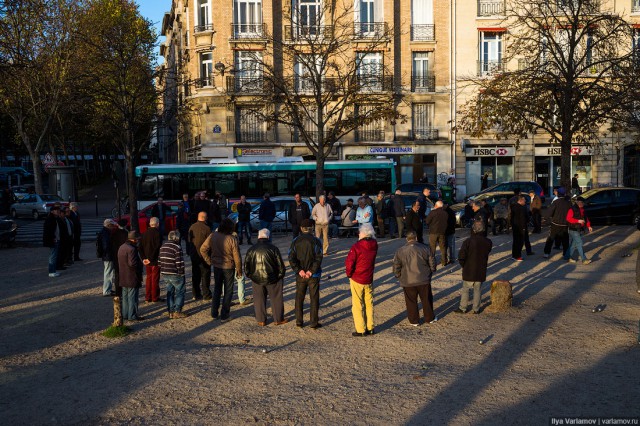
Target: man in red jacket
pixel 360 263
pixel 578 223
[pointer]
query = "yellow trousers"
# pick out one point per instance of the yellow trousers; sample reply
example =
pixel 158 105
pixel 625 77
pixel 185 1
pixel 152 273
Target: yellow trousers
pixel 362 306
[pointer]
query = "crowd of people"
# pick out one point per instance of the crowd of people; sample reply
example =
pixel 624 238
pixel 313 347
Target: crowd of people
pixel 61 232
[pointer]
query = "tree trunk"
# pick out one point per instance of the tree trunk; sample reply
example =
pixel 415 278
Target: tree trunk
pixel 131 188
pixel 319 174
pixel 37 173
pixel 565 163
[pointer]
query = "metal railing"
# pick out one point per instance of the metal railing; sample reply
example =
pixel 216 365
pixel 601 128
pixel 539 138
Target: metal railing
pixel 251 136
pixel 248 31
pixel 426 134
pixel 203 28
pixel 313 136
pixel 425 83
pixel 375 83
pixel 635 6
pixel 423 32
pixel 370 29
pixel 307 32
pixel 204 82
pixel 306 85
pixel 491 67
pixel 490 7
pixel 245 85
pixel 376 135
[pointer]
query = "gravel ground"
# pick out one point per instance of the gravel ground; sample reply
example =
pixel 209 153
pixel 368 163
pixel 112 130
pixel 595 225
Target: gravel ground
pixel 550 355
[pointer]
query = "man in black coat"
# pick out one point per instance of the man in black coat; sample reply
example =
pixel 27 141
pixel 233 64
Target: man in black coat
pixel 413 222
pixel 51 239
pixel 559 227
pixel 519 224
pixel 77 231
pixel 474 258
pixel 267 213
pixel 298 212
pixel 161 211
pixel 480 214
pixel 263 265
pixel 437 221
pixel 244 219
pixel 450 234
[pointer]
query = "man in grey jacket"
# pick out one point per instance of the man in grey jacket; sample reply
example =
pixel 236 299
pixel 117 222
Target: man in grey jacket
pixel 413 265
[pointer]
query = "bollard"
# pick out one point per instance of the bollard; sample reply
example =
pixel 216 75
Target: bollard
pixel 96 197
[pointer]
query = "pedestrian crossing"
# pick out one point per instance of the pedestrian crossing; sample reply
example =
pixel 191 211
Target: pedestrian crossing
pixel 31 232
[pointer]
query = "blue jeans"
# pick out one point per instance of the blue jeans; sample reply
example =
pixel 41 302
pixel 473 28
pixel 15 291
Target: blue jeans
pixel 175 291
pixel 464 295
pixel 53 257
pixel 246 228
pixel 576 244
pixel 222 284
pixel 240 283
pixel 107 284
pixel 451 247
pixel 266 224
pixel 130 303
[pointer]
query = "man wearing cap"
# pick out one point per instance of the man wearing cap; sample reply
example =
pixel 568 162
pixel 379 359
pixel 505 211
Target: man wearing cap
pixel 305 258
pixel 578 222
pixel 536 208
pixel 264 266
pixel 130 271
pixel 559 227
pixel 108 228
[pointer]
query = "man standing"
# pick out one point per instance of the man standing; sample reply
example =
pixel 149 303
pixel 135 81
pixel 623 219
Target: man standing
pixel 424 203
pixel 437 221
pixel 474 258
pixel 364 213
pixel 222 203
pixel 51 239
pixel 183 219
pixel 413 265
pixel 119 236
pixel 149 252
pixel 500 216
pixel 336 208
pixel 298 212
pixel 399 212
pixel 201 271
pixel 322 215
pixel 267 213
pixel 381 213
pixel 221 251
pixel 65 255
pixel 171 264
pixel 520 229
pixel 264 266
pixel 414 224
pixel 105 242
pixel 578 223
pixel 214 216
pixel 77 231
pixel 161 211
pixel 575 185
pixel 484 181
pixel 359 266
pixel 244 219
pixel 536 209
pixel 480 214
pixel 200 204
pixel 450 234
pixel 130 267
pixel 558 230
pixel 305 258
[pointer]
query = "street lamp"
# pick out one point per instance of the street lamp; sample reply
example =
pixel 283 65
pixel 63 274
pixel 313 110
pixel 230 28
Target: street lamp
pixel 617 145
pixel 220 67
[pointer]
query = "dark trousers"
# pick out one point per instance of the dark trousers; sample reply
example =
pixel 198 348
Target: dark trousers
pixel 419 233
pixel 441 241
pixel 65 255
pixel 557 232
pixel 76 248
pixel 380 227
pixel 222 287
pixel 201 280
pixel 274 291
pixel 296 230
pixel 536 217
pixel 520 238
pixel 313 284
pixel 499 224
pixel 411 299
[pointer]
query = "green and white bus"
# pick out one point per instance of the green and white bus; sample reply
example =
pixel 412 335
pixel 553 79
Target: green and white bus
pixel 345 178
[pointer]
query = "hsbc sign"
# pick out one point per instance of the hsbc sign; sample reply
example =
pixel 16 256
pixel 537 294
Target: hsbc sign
pixel 490 152
pixel 555 151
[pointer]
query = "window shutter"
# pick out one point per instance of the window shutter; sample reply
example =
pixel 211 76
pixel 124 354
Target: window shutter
pixel 422 12
pixel 378 11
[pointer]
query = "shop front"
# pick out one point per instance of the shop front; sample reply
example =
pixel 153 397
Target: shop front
pixel 548 166
pixel 496 162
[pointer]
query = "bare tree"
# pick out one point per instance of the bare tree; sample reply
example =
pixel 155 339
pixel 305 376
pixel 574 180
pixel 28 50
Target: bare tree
pixel 323 78
pixel 36 39
pixel 568 81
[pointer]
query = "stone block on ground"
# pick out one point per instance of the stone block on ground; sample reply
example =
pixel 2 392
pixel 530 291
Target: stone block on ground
pixel 501 296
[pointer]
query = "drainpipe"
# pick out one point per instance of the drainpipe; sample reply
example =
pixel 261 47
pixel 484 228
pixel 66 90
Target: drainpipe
pixel 452 82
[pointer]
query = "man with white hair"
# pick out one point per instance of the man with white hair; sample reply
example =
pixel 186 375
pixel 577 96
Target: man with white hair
pixel 360 264
pixel 437 222
pixel 264 266
pixel 322 214
pixel 149 252
pixel 171 264
pixel 105 252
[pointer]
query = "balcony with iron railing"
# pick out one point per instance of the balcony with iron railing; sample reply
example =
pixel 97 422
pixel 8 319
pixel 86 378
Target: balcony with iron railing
pixel 254 85
pixel 204 82
pixel 203 28
pixel 426 83
pixel 375 83
pixel 307 32
pixel 306 85
pixel 566 6
pixel 251 136
pixel 312 135
pixel 490 8
pixel 491 67
pixel 423 32
pixel 370 135
pixel 248 31
pixel 635 6
pixel 373 30
pixel 425 134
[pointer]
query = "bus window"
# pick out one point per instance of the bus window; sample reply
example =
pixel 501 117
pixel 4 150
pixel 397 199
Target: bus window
pixel 148 188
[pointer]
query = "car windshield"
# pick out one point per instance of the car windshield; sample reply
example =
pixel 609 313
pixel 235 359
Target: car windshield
pixel 51 198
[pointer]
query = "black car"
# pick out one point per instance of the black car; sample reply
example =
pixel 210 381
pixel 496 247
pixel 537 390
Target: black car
pixel 608 206
pixel 8 231
pixel 523 186
pixel 435 194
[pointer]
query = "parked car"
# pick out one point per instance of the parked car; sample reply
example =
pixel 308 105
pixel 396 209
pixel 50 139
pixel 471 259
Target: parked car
pixel 281 221
pixel 36 205
pixel 524 186
pixel 8 231
pixel 417 187
pixel 409 197
pixel 612 205
pixel 144 216
pixel 492 198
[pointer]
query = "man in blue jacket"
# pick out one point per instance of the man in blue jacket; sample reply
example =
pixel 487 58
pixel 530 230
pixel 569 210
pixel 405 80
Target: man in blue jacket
pixel 267 213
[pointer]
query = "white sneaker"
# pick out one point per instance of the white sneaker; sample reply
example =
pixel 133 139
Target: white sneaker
pixel 433 320
pixel 54 274
pixel 546 256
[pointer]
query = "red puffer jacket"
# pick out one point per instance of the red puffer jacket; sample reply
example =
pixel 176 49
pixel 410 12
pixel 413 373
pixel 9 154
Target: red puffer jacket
pixel 361 261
